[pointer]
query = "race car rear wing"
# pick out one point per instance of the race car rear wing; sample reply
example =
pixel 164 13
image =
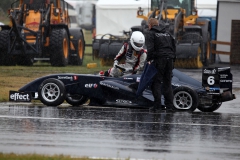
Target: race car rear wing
pixel 217 80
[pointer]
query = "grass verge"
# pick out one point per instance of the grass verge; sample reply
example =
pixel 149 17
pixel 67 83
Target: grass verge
pixel 12 156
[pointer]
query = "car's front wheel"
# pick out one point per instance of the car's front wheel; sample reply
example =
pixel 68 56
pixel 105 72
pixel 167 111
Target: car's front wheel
pixel 185 99
pixel 52 92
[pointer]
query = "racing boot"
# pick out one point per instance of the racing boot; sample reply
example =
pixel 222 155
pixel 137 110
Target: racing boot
pixel 155 108
pixel 170 108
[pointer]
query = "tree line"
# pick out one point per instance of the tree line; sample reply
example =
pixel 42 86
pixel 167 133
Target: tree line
pixel 4 6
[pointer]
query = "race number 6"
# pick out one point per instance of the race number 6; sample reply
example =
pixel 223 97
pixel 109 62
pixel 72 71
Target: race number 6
pixel 211 80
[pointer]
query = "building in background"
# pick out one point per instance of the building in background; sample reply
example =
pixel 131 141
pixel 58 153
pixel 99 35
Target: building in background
pixel 228 31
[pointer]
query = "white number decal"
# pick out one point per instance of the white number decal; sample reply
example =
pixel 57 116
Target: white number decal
pixel 210 80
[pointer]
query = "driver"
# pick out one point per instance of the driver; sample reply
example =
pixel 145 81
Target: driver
pixel 135 56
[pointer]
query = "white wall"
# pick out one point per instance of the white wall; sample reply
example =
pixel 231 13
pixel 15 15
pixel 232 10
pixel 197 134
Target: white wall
pixel 228 11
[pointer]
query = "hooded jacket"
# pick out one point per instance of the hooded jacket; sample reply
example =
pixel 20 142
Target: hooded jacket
pixel 160 44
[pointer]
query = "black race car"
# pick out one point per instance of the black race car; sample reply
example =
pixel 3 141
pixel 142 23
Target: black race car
pixel 77 89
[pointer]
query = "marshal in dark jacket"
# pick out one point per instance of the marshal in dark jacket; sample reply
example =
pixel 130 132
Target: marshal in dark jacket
pixel 160 44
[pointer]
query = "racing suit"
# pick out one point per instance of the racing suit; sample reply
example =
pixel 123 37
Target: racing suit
pixel 134 61
pixel 161 53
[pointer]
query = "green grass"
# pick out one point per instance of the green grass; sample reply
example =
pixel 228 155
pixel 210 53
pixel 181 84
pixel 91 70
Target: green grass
pixel 12 156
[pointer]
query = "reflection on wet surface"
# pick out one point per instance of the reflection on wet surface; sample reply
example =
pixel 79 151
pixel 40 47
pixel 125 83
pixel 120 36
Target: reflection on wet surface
pixel 119 133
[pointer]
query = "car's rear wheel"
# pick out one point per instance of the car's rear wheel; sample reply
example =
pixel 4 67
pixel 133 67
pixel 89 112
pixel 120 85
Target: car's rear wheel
pixel 185 99
pixel 76 100
pixel 5 58
pixel 210 108
pixel 52 92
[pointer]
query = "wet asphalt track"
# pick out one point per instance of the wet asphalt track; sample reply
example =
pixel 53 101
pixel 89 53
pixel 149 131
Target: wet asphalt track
pixel 122 132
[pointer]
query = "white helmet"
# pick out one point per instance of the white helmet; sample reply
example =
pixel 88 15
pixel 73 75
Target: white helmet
pixel 137 40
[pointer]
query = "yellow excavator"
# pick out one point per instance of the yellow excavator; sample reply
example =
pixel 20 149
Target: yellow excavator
pixel 192 33
pixel 40 30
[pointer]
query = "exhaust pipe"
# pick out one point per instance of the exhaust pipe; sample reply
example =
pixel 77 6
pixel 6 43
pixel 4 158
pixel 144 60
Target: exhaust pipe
pixel 227 96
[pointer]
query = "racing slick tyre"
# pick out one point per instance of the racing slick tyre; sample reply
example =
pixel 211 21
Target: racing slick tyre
pixel 210 108
pixel 52 92
pixel 77 55
pixel 76 100
pixel 185 99
pixel 3 45
pixel 59 47
pixel 5 58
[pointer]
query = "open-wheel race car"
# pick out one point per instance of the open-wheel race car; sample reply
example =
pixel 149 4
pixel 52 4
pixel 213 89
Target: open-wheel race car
pixel 77 89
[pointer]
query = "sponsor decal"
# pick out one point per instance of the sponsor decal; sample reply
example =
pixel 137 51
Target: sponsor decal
pixel 128 78
pixel 108 85
pixel 15 96
pixel 214 89
pixel 208 71
pixel 36 95
pixel 138 79
pixel 75 78
pixel 223 75
pixel 226 80
pixel 161 34
pixel 123 101
pixel 91 85
pixel 66 77
pixel 175 84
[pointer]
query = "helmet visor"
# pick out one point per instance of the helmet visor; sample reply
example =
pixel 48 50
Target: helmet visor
pixel 138 44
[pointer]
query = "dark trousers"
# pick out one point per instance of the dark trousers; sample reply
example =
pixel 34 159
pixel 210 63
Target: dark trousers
pixel 162 82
